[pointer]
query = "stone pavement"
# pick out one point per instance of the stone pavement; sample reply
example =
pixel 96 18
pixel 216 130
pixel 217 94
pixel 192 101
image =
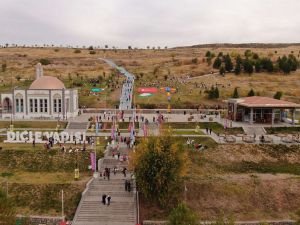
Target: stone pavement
pixel 127 89
pixel 122 210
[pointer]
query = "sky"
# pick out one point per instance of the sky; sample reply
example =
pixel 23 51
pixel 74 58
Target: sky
pixel 140 23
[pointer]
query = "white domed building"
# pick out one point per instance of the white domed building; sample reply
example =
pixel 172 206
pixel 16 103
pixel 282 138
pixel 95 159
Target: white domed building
pixel 46 98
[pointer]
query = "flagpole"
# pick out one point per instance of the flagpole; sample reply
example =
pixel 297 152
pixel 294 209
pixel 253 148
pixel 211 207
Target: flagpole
pixel 62 205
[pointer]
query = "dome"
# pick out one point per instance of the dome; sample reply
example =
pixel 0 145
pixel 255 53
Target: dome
pixel 47 82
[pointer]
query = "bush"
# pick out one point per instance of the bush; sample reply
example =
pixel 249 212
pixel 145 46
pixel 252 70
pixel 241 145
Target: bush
pixel 93 52
pixel 278 95
pixel 182 215
pixel 77 51
pixel 45 62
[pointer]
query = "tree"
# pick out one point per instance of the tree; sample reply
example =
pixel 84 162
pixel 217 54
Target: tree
pixel 228 63
pixel 222 70
pixel 45 61
pixel 235 93
pixel 159 164
pixel 208 54
pixel 182 215
pixel 217 93
pixel 7 211
pixel 129 47
pixel 257 66
pixel 278 95
pixel 251 93
pixel 217 63
pixel 248 67
pixel 248 53
pixel 91 48
pixel 4 66
pixel 237 69
pixel 267 65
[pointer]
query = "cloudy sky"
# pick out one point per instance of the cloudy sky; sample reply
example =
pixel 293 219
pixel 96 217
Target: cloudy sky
pixel 148 22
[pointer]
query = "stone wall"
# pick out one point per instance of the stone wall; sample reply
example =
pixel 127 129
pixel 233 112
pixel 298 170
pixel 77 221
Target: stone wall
pixel 42 220
pixel 284 222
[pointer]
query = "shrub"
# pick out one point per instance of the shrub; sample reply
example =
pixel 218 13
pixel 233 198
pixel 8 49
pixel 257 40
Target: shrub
pixel 182 215
pixel 45 61
pixel 93 52
pixel 77 51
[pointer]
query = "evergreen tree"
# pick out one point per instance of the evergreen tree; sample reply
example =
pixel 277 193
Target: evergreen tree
pixel 278 95
pixel 228 63
pixel 257 66
pixel 235 93
pixel 222 70
pixel 217 93
pixel 208 54
pixel 217 63
pixel 248 67
pixel 267 65
pixel 237 69
pixel 251 93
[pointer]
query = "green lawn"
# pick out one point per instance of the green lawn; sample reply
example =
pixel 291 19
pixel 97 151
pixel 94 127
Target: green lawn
pixel 216 127
pixel 33 124
pixel 282 130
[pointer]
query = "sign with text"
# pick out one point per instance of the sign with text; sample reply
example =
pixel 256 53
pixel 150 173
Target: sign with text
pixel 41 137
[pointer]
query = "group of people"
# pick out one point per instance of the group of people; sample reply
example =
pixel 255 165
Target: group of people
pixel 106 199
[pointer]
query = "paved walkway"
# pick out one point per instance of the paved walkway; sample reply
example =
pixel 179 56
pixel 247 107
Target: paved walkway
pixel 127 89
pixel 122 210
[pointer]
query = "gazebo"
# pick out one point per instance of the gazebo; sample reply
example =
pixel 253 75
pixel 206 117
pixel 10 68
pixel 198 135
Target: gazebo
pixel 258 109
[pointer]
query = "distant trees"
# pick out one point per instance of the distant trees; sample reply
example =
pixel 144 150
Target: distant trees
pixel 251 62
pixel 91 48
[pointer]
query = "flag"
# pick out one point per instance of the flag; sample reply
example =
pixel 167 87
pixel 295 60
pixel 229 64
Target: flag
pixel 93 162
pixel 97 128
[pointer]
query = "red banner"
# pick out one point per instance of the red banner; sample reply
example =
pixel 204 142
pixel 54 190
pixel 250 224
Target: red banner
pixel 147 90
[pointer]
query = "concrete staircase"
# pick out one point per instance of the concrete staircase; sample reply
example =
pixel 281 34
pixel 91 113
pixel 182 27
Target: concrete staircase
pixel 121 211
pixel 77 126
pixel 251 130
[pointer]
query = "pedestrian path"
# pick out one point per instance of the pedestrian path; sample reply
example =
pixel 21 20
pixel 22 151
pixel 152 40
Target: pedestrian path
pixel 127 89
pixel 122 209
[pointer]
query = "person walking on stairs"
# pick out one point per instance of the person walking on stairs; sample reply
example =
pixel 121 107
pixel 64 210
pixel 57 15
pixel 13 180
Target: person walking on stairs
pixel 108 198
pixel 103 199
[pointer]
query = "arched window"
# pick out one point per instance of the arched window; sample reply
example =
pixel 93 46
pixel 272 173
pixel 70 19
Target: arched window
pixel 57 103
pixel 19 103
pixel 7 105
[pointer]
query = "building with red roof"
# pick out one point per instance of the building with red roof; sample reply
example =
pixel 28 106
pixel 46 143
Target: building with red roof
pixel 257 109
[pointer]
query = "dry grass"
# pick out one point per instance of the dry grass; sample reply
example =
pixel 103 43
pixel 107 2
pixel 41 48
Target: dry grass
pixel 174 63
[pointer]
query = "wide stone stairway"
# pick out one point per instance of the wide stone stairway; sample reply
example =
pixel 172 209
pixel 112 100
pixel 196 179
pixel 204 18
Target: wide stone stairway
pixel 122 210
pixel 77 126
